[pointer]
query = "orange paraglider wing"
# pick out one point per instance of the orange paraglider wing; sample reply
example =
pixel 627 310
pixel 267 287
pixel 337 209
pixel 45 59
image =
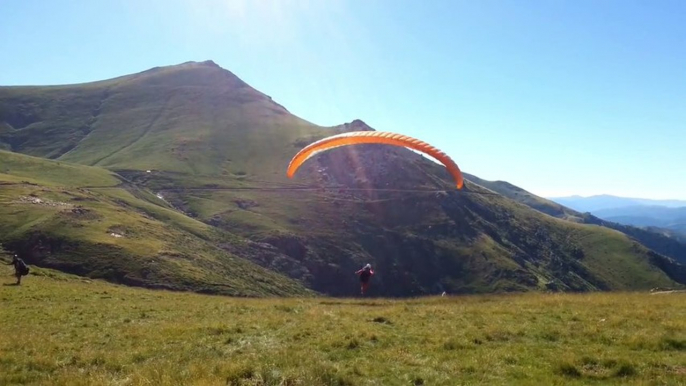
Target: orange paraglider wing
pixel 379 137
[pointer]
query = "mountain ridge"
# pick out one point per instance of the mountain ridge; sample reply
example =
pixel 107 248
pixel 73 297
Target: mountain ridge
pixel 217 152
pixel 662 241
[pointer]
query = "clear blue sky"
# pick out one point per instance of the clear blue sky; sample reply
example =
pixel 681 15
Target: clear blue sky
pixel 558 97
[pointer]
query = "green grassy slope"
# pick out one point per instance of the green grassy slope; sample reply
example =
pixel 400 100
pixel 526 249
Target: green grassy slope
pixel 68 331
pixel 659 240
pixel 194 118
pixel 679 234
pixel 18 168
pixel 117 233
pixel 423 242
pixel 527 198
pixel 217 150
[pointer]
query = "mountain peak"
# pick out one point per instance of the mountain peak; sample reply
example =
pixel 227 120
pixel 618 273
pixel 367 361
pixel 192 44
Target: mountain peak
pixel 357 125
pixel 205 63
pixel 210 63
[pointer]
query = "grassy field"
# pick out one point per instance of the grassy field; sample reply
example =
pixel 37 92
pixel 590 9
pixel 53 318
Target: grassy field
pixel 64 330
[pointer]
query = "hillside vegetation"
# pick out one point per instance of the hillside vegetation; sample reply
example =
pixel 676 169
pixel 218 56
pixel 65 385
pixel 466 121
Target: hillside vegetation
pixel 71 331
pixel 53 216
pixel 529 199
pixel 666 242
pixel 216 151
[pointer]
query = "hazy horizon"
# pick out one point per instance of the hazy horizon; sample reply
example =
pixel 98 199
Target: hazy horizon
pixel 612 195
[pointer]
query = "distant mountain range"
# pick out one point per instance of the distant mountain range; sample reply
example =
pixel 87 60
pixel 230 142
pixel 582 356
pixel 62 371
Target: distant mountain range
pixel 658 215
pixel 604 201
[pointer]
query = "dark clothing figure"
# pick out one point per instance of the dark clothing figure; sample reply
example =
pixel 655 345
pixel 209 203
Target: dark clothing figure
pixel 365 274
pixel 20 268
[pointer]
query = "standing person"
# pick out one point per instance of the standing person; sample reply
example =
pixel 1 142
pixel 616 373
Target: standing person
pixel 365 273
pixel 20 268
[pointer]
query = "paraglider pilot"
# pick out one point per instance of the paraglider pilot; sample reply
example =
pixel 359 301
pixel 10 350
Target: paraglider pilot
pixel 365 273
pixel 20 268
